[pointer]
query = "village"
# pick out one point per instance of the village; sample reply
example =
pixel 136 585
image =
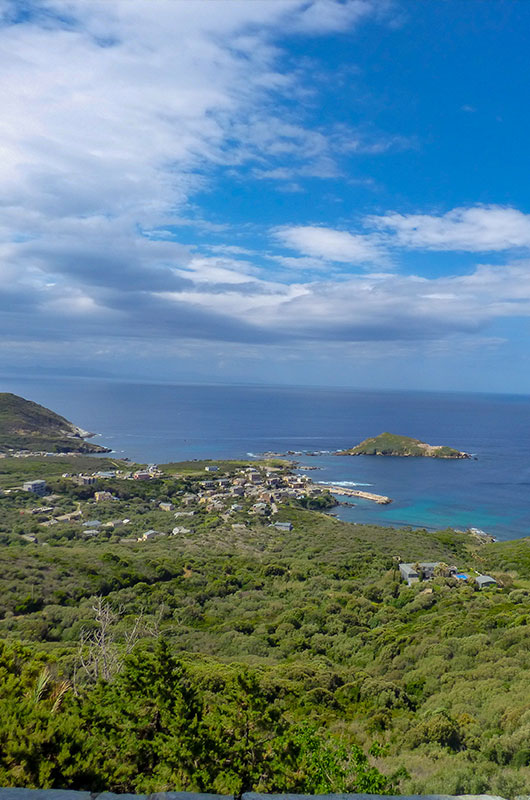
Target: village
pixel 158 502
pixel 233 496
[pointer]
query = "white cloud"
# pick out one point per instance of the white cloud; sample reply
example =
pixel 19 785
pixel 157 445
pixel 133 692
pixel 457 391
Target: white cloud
pixel 114 116
pixel 368 307
pixel 331 245
pixel 116 113
pixel 229 249
pixel 301 263
pixel 124 129
pixel 326 16
pixel 73 303
pixel 401 307
pixel 218 271
pixel 475 229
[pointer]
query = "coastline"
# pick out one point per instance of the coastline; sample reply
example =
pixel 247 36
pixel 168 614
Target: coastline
pixel 374 510
pixel 154 424
pixel 408 510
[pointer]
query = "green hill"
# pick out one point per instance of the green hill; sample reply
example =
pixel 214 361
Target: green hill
pixel 25 425
pixel 390 444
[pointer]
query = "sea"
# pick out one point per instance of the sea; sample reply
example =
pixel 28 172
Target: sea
pixel 157 423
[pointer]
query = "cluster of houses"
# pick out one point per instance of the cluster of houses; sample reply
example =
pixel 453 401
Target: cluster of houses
pixel 226 496
pixel 151 472
pixel 264 489
pixel 427 570
pixel 258 492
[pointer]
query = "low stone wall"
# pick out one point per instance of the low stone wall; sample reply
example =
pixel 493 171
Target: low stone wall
pixel 66 794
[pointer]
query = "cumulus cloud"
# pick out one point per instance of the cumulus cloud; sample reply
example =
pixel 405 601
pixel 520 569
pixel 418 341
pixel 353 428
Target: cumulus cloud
pixel 331 245
pixel 475 229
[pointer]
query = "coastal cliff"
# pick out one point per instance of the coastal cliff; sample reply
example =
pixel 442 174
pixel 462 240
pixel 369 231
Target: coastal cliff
pixel 25 425
pixel 390 444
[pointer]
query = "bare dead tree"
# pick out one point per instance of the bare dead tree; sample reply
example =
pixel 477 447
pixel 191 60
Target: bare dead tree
pixel 102 651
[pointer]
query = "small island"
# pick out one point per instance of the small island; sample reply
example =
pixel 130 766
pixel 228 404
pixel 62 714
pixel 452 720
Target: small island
pixel 390 444
pixel 28 426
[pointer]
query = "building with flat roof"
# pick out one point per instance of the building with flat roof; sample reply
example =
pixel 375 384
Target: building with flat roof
pixel 409 574
pixel 84 480
pixel 424 570
pixel 101 497
pixel 485 581
pixel 142 475
pixel 36 487
pixel 282 526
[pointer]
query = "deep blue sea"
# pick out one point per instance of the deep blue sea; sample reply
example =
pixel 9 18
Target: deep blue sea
pixel 158 423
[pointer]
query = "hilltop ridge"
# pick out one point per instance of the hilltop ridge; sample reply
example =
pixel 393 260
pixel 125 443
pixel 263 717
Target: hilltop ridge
pixel 25 425
pixel 391 444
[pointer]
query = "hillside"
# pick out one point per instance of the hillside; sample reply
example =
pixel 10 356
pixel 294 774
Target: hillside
pixel 25 425
pixel 391 444
pixel 311 627
pixel 298 645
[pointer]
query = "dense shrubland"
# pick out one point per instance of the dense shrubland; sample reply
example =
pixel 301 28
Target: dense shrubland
pixel 261 659
pixel 161 725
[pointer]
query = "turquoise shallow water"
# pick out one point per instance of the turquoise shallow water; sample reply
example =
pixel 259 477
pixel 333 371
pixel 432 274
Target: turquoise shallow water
pixel 486 493
pixel 157 423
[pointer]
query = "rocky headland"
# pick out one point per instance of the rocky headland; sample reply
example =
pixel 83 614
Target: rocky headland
pixel 28 426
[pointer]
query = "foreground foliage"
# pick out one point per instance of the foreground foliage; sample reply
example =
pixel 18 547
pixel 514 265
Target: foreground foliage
pixel 156 727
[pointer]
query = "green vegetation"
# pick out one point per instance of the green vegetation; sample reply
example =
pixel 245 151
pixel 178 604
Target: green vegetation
pixel 390 444
pixel 25 425
pixel 235 656
pixel 225 466
pixel 159 725
pixel 319 503
pixel 14 471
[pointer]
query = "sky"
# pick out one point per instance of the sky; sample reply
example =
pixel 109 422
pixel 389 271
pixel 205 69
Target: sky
pixel 314 192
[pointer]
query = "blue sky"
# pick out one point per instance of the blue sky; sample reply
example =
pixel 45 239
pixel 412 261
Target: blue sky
pixel 329 192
